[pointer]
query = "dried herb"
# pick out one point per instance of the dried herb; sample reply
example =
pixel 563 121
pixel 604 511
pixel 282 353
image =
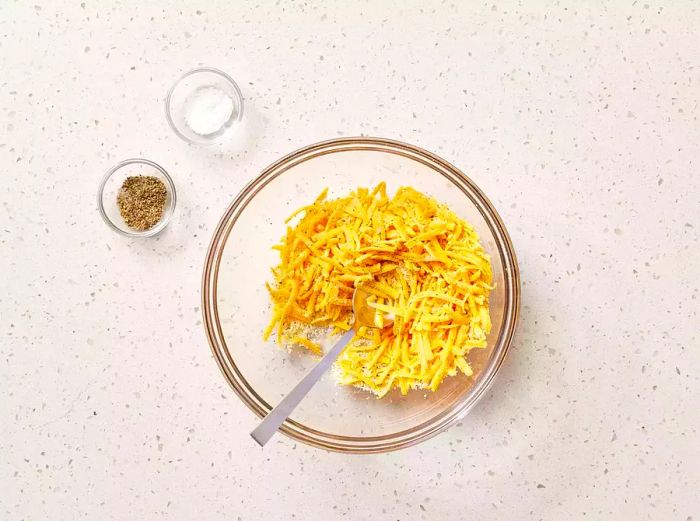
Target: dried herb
pixel 141 201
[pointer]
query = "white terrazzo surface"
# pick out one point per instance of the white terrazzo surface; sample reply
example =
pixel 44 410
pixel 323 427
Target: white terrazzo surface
pixel 581 124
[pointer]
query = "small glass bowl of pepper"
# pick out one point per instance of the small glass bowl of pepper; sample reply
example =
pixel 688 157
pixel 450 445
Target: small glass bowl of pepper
pixel 136 198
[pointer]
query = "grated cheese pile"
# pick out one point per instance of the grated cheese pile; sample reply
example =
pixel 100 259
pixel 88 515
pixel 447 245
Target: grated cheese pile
pixel 421 263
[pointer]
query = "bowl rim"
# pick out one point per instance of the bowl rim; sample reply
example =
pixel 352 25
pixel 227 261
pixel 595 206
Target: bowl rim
pixel 167 212
pixel 355 444
pixel 178 81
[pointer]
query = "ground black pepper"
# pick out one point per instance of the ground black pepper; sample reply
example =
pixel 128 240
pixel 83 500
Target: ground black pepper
pixel 141 201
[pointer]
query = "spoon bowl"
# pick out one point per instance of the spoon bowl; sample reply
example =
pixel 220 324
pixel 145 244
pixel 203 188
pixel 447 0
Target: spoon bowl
pixel 364 313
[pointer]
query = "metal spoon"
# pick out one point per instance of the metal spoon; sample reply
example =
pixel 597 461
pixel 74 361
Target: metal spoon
pixel 364 316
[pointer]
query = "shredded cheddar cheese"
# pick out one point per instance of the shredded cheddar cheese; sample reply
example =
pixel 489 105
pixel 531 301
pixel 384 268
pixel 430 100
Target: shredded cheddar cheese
pixel 421 264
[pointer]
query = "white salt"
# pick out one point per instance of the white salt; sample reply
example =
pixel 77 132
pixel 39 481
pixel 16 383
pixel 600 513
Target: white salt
pixel 207 110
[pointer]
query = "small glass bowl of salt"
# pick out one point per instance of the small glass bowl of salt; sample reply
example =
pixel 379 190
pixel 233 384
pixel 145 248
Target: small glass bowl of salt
pixel 203 105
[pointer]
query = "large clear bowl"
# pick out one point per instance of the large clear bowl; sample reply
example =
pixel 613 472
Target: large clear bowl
pixel 236 304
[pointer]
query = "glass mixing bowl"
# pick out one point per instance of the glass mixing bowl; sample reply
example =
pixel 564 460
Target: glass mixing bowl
pixel 236 304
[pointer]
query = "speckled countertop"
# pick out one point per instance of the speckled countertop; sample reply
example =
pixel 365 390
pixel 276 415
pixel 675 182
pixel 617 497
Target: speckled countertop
pixel 580 123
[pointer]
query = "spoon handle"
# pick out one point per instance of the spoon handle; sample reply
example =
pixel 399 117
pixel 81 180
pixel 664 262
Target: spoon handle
pixel 263 432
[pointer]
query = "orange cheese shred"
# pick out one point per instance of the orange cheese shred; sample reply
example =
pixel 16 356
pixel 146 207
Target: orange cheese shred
pixel 419 261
